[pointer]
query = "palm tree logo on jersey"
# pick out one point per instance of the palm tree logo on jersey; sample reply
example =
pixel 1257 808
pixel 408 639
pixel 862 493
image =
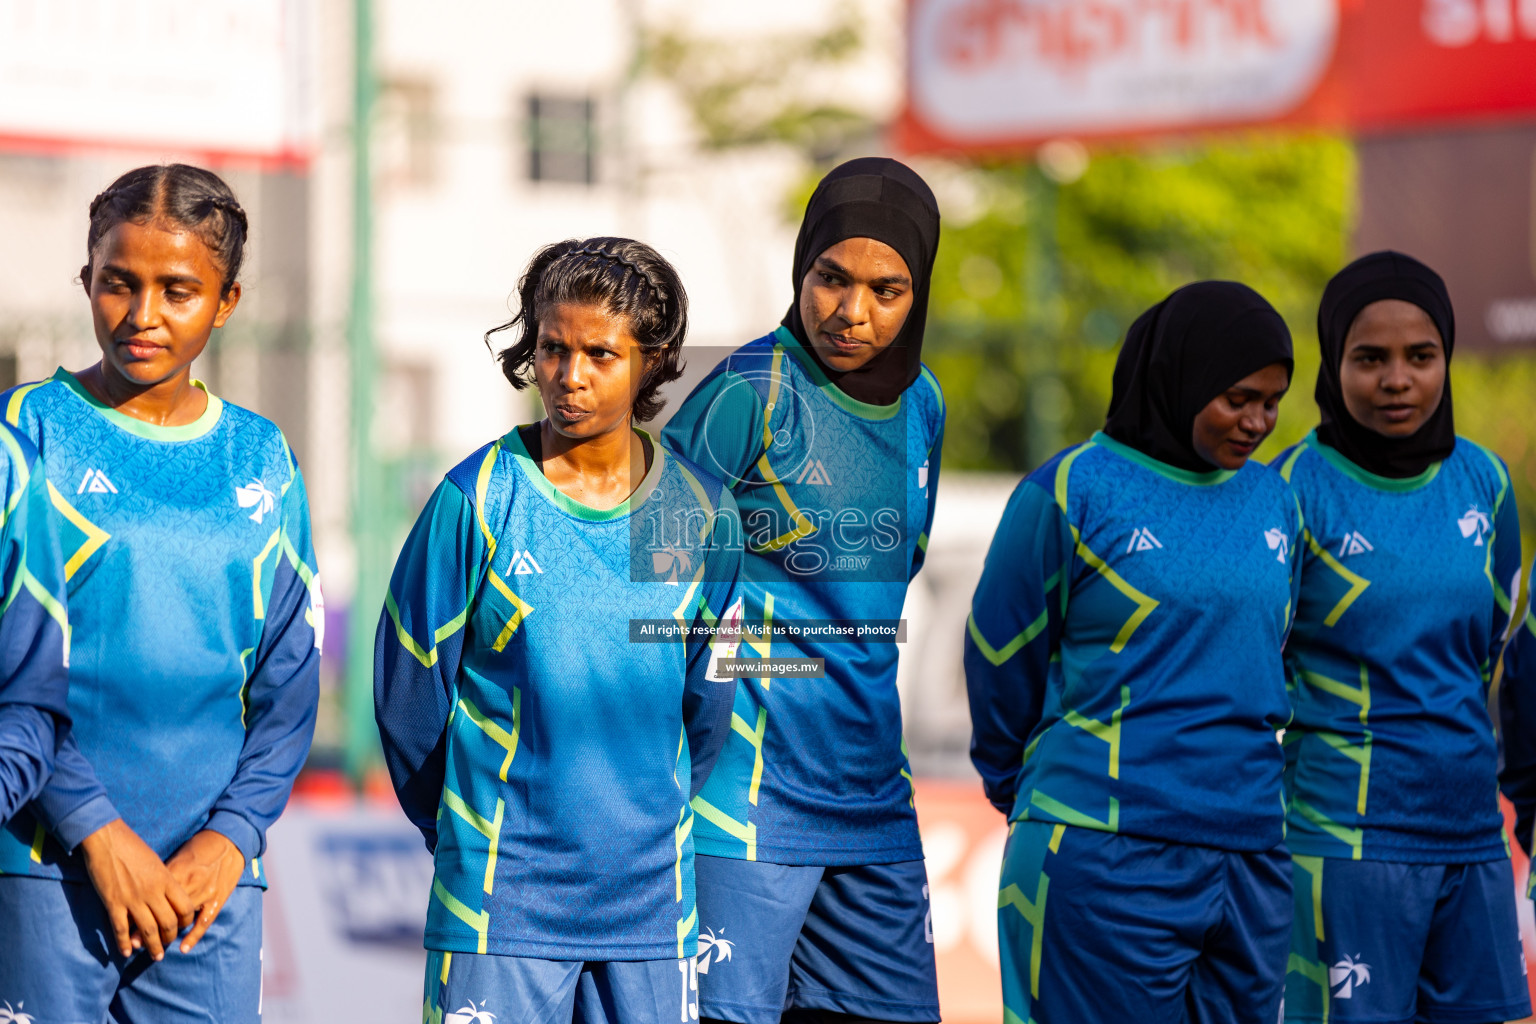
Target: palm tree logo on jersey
pixel 1279 543
pixel 1344 976
pixel 10 1016
pixel 1474 523
pixel 255 494
pixel 713 949
pixel 467 1014
pixel 671 558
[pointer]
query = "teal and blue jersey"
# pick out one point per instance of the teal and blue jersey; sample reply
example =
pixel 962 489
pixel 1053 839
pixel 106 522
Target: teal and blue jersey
pixel 195 622
pixel 1123 653
pixel 1517 727
pixel 836 500
pixel 1405 602
pixel 543 746
pixel 34 629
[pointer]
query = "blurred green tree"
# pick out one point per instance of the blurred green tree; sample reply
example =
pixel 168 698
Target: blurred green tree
pixel 1271 212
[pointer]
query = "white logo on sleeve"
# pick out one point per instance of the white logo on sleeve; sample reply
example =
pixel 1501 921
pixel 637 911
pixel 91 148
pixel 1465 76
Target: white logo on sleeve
pixel 713 949
pixel 1142 540
pixel 94 482
pixel 1346 975
pixel 523 564
pixel 255 495
pixel 922 476
pixel 10 1016
pixel 468 1014
pixel 1279 543
pixel 1474 523
pixel 1354 543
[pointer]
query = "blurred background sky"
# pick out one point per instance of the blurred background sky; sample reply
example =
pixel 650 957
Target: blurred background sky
pixel 402 160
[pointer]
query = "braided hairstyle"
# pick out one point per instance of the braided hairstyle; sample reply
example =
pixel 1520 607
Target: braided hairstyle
pixel 187 197
pixel 625 277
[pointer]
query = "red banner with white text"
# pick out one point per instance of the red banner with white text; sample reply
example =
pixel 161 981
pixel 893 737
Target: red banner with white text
pixel 1000 75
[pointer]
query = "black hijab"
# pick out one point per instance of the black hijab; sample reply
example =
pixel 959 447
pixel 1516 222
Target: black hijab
pixel 1382 275
pixel 873 197
pixel 1182 353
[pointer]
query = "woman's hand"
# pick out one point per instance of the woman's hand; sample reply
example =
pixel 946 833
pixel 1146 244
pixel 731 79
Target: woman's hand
pixel 143 899
pixel 208 866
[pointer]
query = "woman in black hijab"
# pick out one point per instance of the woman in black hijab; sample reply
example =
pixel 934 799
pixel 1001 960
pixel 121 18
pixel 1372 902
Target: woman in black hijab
pixel 1123 660
pixel 810 876
pixel 1404 896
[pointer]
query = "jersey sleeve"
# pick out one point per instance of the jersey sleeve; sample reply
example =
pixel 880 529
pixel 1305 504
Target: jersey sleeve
pixel 420 645
pixel 719 426
pixel 282 691
pixel 1015 626
pixel 935 457
pixel 708 696
pixel 1517 727
pixel 1503 567
pixel 34 681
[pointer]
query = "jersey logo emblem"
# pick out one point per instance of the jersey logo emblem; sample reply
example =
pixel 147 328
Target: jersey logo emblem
pixel 1474 523
pixel 673 559
pixel 814 473
pixel 1346 975
pixel 467 1014
pixel 1142 540
pixel 922 476
pixel 95 482
pixel 1354 543
pixel 7 1015
pixel 713 949
pixel 523 564
pixel 1279 543
pixel 255 494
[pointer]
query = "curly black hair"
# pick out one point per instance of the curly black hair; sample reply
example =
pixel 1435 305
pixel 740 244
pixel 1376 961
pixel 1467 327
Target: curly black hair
pixel 625 277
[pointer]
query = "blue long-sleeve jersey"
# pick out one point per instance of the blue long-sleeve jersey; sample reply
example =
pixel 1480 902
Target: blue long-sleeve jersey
pixel 195 627
pixel 836 498
pixel 1404 607
pixel 1123 654
pixel 545 748
pixel 34 685
pixel 1517 727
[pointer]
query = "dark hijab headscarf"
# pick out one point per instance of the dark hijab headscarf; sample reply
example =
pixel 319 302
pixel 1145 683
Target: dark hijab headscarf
pixel 1182 353
pixel 1382 275
pixel 873 197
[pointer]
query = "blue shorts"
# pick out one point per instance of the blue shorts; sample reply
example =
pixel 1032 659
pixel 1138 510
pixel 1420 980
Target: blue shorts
pixel 1095 926
pixel 774 937
pixel 59 961
pixel 475 988
pixel 1386 943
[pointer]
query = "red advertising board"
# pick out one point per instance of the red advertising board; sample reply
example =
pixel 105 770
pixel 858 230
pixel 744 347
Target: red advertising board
pixel 995 75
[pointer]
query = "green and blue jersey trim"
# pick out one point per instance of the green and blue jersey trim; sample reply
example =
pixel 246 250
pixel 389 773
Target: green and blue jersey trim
pixel 1337 460
pixel 785 340
pixel 186 432
pixel 1183 476
pixel 512 442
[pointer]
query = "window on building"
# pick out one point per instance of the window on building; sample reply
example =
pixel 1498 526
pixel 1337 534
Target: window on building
pixel 408 132
pixel 562 139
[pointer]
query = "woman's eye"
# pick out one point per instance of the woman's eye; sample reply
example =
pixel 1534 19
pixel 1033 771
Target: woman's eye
pixel 178 296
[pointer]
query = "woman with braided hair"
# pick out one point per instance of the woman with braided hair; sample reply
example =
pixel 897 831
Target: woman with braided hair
pixel 542 740
pixel 195 622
